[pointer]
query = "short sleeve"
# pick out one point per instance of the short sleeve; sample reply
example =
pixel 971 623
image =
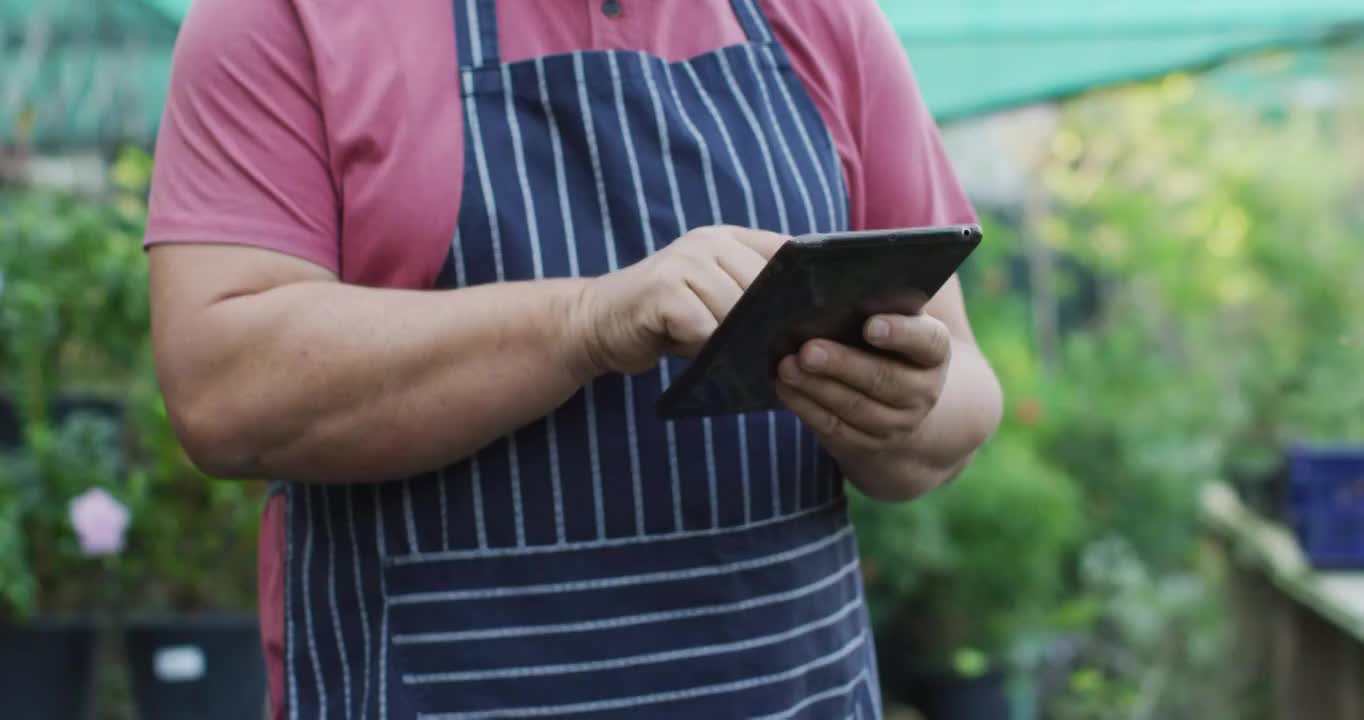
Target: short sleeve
pixel 241 154
pixel 906 179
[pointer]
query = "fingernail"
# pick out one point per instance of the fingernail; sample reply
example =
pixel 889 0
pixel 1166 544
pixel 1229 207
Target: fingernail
pixel 878 329
pixel 789 372
pixel 816 356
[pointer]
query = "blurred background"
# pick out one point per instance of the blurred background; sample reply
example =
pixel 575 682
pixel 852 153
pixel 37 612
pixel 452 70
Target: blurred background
pixel 1169 525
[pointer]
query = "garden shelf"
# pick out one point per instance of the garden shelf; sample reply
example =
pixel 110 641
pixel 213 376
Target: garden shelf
pixel 1302 626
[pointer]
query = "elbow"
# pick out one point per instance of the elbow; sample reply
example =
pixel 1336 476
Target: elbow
pixel 985 414
pixel 909 481
pixel 892 492
pixel 991 413
pixel 985 422
pixel 213 436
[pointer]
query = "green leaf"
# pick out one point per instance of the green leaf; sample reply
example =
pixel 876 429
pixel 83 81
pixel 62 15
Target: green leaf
pixel 970 663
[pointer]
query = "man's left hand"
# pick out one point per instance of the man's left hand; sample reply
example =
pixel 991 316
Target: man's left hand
pixel 863 404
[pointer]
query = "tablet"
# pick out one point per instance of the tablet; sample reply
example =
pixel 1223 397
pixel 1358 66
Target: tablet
pixel 815 286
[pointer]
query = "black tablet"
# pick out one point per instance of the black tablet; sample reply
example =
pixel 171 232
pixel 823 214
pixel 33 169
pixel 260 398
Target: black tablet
pixel 815 286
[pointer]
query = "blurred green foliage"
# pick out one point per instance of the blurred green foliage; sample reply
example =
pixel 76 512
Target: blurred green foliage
pixel 1156 645
pixel 973 566
pixel 74 324
pixel 1228 324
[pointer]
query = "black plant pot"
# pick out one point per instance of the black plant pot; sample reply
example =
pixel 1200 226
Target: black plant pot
pixel 69 404
pixel 1263 490
pixel 11 431
pixel 954 697
pixel 45 670
pixel 209 668
pixel 63 407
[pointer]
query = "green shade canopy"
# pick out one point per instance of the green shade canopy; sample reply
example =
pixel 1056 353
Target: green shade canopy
pixel 83 72
pixel 976 56
pixel 94 72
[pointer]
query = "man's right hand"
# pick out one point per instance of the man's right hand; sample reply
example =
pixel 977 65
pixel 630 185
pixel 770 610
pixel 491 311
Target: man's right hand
pixel 671 301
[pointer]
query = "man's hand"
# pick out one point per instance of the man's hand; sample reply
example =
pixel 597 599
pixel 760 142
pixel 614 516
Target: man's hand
pixel 671 301
pixel 867 407
pixel 899 422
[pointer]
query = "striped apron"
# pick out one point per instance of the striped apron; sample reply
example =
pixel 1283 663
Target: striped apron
pixel 600 562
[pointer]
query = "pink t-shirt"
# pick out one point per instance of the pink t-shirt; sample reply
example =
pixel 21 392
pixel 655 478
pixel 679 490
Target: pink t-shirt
pixel 333 132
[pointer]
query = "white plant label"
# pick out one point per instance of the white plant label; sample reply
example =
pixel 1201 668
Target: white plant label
pixel 179 663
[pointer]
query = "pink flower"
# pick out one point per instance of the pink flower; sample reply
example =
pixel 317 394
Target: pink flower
pixel 100 521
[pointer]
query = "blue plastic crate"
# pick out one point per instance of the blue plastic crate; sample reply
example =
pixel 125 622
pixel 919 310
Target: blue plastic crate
pixel 1326 504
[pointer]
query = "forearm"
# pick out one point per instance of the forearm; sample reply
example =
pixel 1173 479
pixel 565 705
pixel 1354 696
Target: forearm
pixel 325 382
pixel 967 413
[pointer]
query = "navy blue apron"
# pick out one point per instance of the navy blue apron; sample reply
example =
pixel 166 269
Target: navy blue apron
pixel 600 562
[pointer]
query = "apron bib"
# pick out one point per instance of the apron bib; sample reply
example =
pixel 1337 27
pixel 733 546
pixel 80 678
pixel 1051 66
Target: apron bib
pixel 600 562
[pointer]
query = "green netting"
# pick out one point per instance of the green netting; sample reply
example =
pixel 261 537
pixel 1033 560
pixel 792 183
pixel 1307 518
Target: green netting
pixel 100 78
pixel 973 56
pixel 83 72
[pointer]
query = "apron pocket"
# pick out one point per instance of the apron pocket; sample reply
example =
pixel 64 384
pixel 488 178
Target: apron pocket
pixel 758 619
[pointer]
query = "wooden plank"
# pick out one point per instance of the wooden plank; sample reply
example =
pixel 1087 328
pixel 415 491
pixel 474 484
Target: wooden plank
pixel 1337 597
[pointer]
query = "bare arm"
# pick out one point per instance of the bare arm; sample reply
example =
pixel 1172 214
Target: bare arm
pixel 272 368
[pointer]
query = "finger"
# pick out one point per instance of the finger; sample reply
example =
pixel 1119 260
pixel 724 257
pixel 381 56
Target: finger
pixel 864 413
pixel 889 380
pixel 825 423
pixel 742 262
pixel 713 286
pixel 688 325
pixel 922 339
pixel 763 242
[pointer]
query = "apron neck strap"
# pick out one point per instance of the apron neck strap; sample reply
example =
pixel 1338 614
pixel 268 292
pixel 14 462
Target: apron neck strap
pixel 753 20
pixel 476 33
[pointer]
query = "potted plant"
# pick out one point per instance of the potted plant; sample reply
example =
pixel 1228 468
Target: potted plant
pixel 69 313
pixel 61 529
pixel 76 343
pixel 194 640
pixel 111 548
pixel 957 579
